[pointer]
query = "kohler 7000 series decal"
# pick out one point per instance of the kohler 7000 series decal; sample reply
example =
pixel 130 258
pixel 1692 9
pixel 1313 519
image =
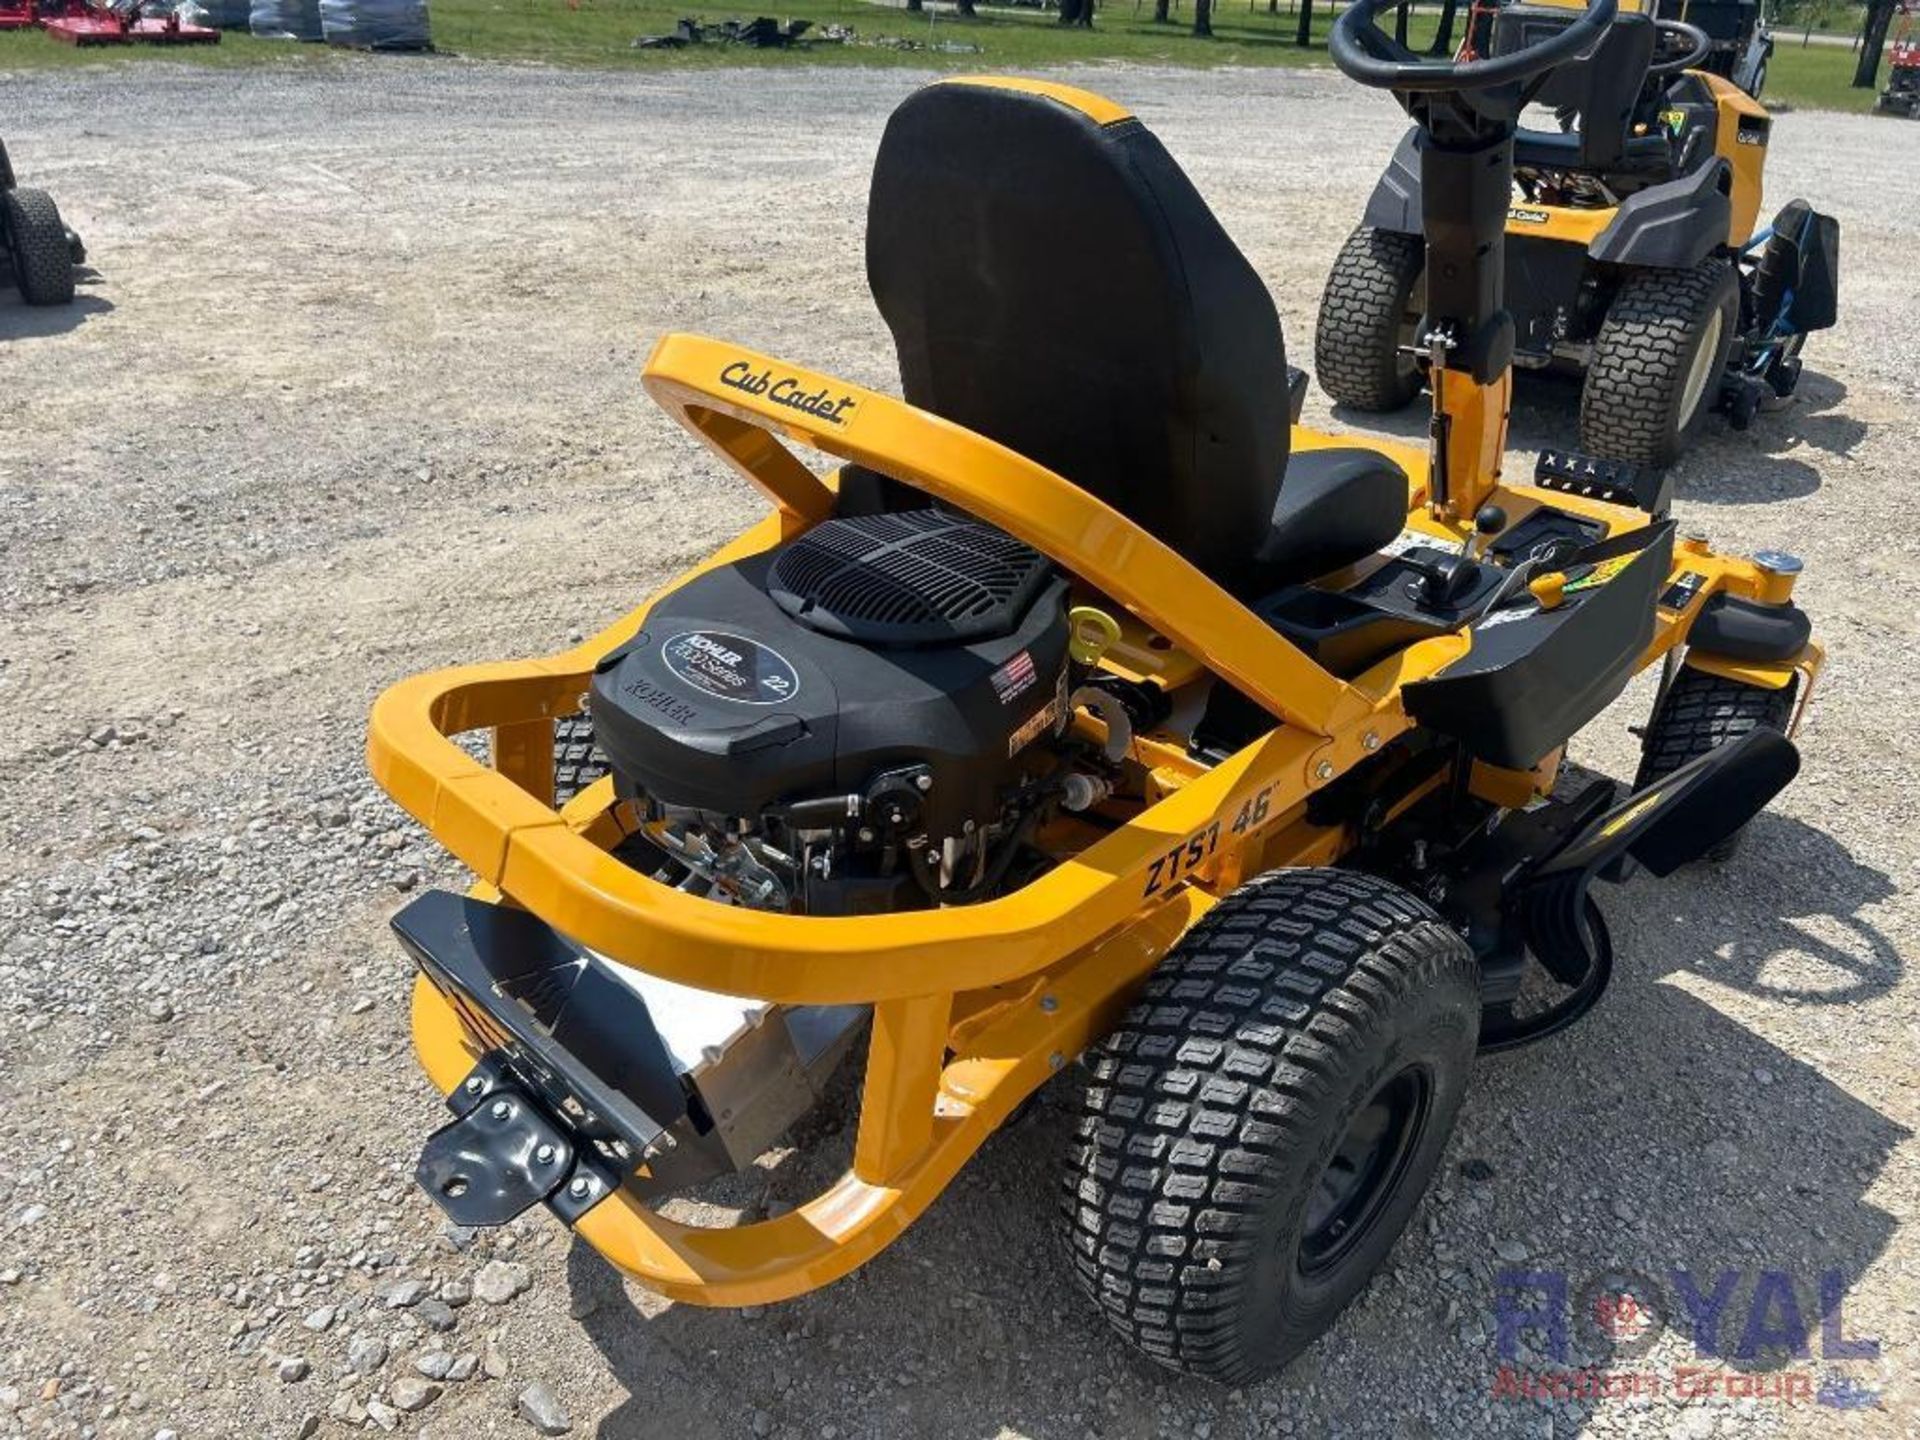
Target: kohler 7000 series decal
pixel 732 667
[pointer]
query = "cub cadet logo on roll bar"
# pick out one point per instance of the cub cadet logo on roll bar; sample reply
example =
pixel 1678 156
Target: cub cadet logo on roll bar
pixel 788 391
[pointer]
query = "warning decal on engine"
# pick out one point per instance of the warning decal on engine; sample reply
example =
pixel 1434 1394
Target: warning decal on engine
pixel 1014 678
pixel 731 667
pixel 1036 725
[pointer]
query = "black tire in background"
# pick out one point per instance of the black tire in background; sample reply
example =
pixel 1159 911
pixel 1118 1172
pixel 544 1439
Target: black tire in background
pixel 7 181
pixel 1262 1123
pixel 42 266
pixel 1657 362
pixel 1701 712
pixel 1368 311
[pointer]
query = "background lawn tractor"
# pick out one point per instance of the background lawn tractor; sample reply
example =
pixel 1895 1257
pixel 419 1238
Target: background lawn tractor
pixel 1631 251
pixel 1118 719
pixel 38 250
pixel 1740 44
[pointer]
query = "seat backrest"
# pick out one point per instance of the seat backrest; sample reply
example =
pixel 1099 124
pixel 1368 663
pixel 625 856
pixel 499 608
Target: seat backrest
pixel 1605 88
pixel 1053 281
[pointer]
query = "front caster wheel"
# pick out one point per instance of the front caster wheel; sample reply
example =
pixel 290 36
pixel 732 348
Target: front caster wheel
pixel 1701 712
pixel 1262 1123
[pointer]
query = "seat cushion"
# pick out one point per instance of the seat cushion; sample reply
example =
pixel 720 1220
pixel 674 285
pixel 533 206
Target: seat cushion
pixel 1054 282
pixel 1337 506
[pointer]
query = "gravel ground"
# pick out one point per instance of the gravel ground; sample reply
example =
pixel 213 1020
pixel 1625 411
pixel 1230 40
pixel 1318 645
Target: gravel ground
pixel 353 394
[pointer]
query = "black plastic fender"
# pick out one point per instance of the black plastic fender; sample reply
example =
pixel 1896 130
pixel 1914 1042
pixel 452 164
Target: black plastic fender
pixel 1677 818
pixel 1673 226
pixel 1395 202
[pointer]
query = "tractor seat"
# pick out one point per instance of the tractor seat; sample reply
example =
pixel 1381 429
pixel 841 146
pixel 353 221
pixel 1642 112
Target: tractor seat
pixel 1054 282
pixel 1567 150
pixel 1608 91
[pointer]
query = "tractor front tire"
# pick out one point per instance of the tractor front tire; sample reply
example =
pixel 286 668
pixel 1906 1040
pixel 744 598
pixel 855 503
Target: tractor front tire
pixel 1260 1126
pixel 1658 361
pixel 42 266
pixel 1369 310
pixel 1699 713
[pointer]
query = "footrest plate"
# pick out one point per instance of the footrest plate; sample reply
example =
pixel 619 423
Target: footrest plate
pixel 1613 481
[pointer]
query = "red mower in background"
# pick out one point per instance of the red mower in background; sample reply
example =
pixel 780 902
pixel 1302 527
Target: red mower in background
pixel 78 22
pixel 1902 95
pixel 37 250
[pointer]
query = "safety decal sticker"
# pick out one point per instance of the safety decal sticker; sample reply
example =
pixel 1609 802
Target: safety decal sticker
pixel 1680 594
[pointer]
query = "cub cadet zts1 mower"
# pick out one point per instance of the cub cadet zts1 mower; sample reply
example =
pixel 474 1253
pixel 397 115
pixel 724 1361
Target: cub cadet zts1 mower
pixel 38 249
pixel 1631 253
pixel 1112 719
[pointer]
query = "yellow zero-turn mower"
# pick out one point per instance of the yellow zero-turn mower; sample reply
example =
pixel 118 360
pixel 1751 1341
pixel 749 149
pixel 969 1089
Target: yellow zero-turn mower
pixel 1089 709
pixel 1631 251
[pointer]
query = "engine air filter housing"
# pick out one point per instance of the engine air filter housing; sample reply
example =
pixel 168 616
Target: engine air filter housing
pixel 908 578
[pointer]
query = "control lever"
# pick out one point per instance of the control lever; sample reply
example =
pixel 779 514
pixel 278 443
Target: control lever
pixel 1443 580
pixel 1488 521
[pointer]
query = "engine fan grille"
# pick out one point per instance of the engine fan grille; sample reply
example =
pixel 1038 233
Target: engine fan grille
pixel 912 577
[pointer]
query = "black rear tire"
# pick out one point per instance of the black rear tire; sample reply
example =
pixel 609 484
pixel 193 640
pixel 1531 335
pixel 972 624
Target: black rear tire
pixel 42 265
pixel 1645 397
pixel 578 760
pixel 1699 713
pixel 1262 1123
pixel 1369 309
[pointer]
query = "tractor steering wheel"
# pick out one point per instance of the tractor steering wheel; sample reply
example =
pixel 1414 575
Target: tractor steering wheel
pixel 1696 40
pixel 1366 53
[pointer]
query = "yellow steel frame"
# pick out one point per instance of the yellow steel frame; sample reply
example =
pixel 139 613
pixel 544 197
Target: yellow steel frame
pixel 973 1006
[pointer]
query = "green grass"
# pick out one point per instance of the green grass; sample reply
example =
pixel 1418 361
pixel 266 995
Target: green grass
pixel 1815 77
pixel 600 33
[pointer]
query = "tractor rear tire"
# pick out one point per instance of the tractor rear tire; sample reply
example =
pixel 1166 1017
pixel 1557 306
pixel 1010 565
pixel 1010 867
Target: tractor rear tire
pixel 1658 360
pixel 577 758
pixel 1699 713
pixel 7 182
pixel 1260 1126
pixel 42 266
pixel 1370 308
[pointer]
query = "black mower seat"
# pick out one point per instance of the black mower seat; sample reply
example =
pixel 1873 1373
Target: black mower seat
pixel 1567 150
pixel 1054 281
pixel 1607 90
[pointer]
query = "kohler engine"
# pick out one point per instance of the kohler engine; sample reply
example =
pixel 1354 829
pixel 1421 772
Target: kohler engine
pixel 862 721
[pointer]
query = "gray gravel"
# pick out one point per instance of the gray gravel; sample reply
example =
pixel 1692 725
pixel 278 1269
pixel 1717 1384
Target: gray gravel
pixel 354 394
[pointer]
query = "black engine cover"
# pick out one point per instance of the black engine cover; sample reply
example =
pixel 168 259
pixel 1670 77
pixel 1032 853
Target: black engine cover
pixel 726 703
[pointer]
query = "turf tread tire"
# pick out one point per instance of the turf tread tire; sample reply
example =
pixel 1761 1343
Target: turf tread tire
pixel 578 760
pixel 1216 1099
pixel 1699 713
pixel 1630 403
pixel 1356 343
pixel 42 263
